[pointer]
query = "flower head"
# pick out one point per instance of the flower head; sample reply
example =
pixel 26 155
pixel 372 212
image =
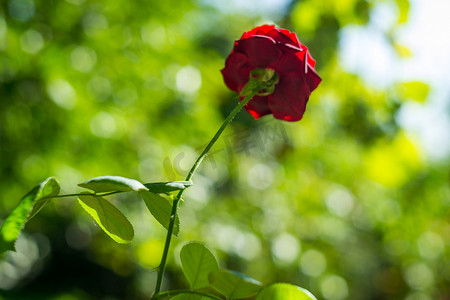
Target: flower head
pixel 268 47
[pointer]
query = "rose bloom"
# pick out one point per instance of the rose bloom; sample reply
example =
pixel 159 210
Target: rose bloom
pixel 268 47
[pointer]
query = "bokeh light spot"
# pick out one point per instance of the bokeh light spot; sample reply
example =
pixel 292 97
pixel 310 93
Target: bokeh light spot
pixel 103 125
pixel 31 41
pixel 188 80
pixel 334 287
pixel 21 10
pixel 62 93
pixel 313 263
pixel 94 23
pixel 339 202
pixel 430 245
pixel 260 176
pixel 154 35
pixel 148 253
pixel 286 248
pixel 419 276
pixel 83 59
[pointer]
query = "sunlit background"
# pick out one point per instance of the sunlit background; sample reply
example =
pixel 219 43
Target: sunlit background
pixel 352 202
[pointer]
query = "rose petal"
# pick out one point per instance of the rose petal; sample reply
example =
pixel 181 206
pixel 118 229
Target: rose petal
pixel 289 62
pixel 301 55
pixel 236 71
pixel 292 36
pixel 312 78
pixel 288 102
pixel 281 37
pixel 260 50
pixel 258 107
pixel 263 29
pixel 310 60
pixel 269 47
pixel 292 48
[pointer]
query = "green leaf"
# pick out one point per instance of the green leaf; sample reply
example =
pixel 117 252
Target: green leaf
pixel 197 262
pixel 160 208
pixel 234 285
pixel 112 184
pixel 403 7
pixel 108 217
pixel 187 297
pixel 25 210
pixel 402 50
pixel 284 291
pixel 166 187
pixel 415 90
pixel 37 208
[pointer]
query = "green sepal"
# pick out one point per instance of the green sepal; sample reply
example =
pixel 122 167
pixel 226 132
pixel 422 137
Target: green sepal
pixel 262 81
pixel 28 206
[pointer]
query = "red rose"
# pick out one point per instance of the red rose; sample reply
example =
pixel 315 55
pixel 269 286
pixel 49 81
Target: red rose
pixel 267 47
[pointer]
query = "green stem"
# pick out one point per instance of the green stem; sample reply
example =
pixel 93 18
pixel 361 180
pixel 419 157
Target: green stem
pixel 176 292
pixel 76 195
pixel 194 168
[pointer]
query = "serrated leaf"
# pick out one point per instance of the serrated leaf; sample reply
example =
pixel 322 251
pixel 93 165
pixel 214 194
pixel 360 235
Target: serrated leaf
pixel 234 285
pixel 27 208
pixel 284 291
pixel 108 217
pixel 161 209
pixel 197 262
pixel 167 187
pixel 113 183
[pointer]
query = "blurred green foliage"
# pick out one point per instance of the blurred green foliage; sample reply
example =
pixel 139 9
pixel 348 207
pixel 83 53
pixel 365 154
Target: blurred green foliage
pixel 343 203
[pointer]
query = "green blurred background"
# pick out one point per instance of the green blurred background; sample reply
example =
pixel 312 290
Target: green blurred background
pixel 352 202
